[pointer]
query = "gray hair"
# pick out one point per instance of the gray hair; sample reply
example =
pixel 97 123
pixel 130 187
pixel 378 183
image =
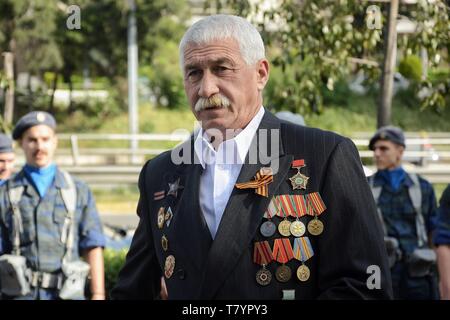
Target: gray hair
pixel 220 26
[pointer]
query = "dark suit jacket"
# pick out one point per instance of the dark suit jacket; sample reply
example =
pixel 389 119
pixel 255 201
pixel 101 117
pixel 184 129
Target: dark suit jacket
pixel 224 269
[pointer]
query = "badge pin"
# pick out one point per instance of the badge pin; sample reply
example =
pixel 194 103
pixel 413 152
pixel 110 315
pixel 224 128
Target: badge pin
pixel 169 266
pixel 168 216
pixel 164 243
pixel 161 218
pixel 174 187
pixel 299 180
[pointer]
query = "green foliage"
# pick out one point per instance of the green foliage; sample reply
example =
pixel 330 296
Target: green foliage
pixel 114 261
pixel 313 42
pixel 411 68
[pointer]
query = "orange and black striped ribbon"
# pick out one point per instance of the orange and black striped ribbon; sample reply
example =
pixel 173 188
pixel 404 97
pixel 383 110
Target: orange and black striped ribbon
pixel 260 184
pixel 316 202
pixel 282 250
pixel 262 254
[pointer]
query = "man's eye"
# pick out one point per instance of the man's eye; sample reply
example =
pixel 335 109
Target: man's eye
pixel 221 69
pixel 193 73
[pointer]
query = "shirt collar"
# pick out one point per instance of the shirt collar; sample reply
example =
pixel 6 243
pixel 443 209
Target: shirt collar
pixel 237 146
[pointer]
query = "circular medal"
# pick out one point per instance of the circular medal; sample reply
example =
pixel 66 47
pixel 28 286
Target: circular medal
pixel 267 229
pixel 297 228
pixel 283 228
pixel 169 265
pixel 164 243
pixel 263 277
pixel 303 273
pixel 315 227
pixel 283 273
pixel 161 217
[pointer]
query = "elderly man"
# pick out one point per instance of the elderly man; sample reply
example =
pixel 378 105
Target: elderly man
pixel 407 208
pixel 6 158
pixel 47 220
pixel 251 207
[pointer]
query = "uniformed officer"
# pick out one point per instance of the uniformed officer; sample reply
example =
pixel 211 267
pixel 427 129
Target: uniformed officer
pixel 44 221
pixel 441 240
pixel 6 158
pixel 407 208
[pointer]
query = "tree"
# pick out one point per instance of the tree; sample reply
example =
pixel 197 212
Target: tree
pixel 315 43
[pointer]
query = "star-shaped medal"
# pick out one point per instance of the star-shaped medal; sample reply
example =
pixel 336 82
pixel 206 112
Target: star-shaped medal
pixel 299 181
pixel 174 187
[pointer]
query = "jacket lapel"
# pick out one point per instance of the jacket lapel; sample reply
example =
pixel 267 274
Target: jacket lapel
pixel 190 227
pixel 242 215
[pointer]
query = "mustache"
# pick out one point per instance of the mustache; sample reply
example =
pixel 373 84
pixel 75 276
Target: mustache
pixel 216 100
pixel 39 152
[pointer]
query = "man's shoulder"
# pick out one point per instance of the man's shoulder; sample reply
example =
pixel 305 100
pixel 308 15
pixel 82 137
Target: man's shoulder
pixel 310 136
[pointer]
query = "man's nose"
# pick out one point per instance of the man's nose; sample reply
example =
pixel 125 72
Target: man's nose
pixel 208 85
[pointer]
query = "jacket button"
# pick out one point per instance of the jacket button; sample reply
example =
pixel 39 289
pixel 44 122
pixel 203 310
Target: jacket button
pixel 181 274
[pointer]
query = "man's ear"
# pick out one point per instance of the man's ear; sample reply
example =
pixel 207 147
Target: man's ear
pixel 262 68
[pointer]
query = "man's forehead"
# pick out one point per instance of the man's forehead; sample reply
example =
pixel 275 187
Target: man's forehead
pixel 7 156
pixel 226 50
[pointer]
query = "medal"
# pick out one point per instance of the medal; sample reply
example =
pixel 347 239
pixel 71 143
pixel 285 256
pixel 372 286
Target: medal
pixel 169 265
pixel 283 273
pixel 297 228
pixel 298 180
pixel 262 255
pixel 164 243
pixel 284 228
pixel 161 217
pixel 282 252
pixel 303 273
pixel 303 251
pixel 267 229
pixel 315 226
pixel 315 202
pixel 263 276
pixel 285 225
pixel 174 187
pixel 168 216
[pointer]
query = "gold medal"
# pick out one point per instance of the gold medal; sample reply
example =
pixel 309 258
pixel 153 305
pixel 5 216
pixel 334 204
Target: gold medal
pixel 284 228
pixel 164 243
pixel 169 266
pixel 161 217
pixel 303 273
pixel 263 276
pixel 297 228
pixel 315 227
pixel 283 273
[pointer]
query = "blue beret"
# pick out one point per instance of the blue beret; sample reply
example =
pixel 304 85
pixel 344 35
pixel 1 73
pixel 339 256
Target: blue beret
pixel 5 143
pixel 32 119
pixel 389 133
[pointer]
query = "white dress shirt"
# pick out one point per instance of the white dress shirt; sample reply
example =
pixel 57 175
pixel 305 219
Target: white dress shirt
pixel 221 170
